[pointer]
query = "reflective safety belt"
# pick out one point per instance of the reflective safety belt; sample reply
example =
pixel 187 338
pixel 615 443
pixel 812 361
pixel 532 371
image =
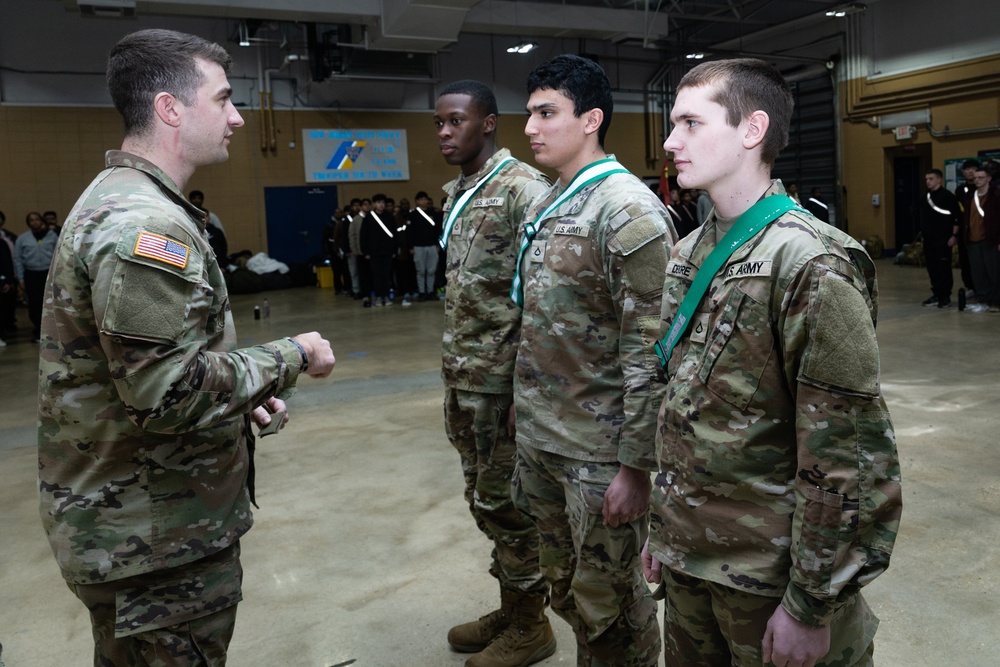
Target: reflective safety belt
pixel 979 207
pixel 745 228
pixel 596 171
pixel 459 205
pixel 930 202
pixel 380 224
pixel 426 217
pixel 819 203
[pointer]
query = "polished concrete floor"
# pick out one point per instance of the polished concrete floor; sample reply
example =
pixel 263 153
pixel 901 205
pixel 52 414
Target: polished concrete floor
pixel 363 551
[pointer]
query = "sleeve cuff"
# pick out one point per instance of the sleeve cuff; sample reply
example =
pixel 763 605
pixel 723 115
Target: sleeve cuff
pixel 290 362
pixel 635 456
pixel 806 609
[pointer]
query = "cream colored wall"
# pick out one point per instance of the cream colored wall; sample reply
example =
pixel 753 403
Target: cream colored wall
pixel 961 96
pixel 53 153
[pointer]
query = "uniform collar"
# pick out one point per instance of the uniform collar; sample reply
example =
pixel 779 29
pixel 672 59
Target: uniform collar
pixel 117 158
pixel 464 182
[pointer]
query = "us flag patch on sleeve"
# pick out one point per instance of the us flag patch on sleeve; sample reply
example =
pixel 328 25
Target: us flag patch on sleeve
pixel 162 249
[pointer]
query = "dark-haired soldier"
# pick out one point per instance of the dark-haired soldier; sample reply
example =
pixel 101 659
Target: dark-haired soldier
pixel 590 279
pixel 145 455
pixel 483 214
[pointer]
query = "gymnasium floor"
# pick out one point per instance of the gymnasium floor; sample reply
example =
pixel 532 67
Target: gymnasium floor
pixel 363 552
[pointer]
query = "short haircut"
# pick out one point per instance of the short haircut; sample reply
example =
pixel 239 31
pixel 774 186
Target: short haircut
pixel 149 62
pixel 936 172
pixel 355 201
pixel 378 197
pixel 745 85
pixel 579 79
pixel 196 193
pixel 970 164
pixel 50 213
pixel 482 97
pixel 422 195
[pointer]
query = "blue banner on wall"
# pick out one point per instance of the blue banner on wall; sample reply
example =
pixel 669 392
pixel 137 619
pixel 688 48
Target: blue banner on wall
pixel 344 156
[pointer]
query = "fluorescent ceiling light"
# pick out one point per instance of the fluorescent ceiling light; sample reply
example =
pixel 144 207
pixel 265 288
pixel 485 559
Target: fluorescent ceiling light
pixel 844 10
pixel 244 34
pixel 523 47
pixel 695 56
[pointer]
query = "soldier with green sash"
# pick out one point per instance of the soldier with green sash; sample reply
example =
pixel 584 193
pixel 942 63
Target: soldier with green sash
pixel 778 491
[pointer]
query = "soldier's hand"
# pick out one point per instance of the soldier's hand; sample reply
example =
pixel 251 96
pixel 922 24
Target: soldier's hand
pixel 262 414
pixel 627 497
pixel 512 421
pixel 650 566
pixel 321 359
pixel 791 643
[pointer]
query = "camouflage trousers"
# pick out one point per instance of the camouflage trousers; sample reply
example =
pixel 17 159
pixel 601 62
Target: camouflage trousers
pixel 594 570
pixel 710 625
pixel 181 617
pixel 477 427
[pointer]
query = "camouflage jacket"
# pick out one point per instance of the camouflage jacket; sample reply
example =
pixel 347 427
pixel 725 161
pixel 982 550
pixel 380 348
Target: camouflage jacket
pixel 778 466
pixel 481 324
pixel 143 397
pixel 593 278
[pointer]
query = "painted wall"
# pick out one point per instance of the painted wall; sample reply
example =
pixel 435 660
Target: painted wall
pixel 53 153
pixel 964 103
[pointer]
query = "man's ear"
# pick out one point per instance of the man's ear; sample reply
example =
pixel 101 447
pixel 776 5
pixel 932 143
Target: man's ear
pixel 594 119
pixel 757 124
pixel 490 124
pixel 166 107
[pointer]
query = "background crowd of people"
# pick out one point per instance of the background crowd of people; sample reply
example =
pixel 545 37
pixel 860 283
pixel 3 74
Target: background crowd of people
pixel 964 228
pixel 379 249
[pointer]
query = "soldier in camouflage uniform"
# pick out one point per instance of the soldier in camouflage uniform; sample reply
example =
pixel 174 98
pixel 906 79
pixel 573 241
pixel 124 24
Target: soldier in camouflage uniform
pixel 778 495
pixel 145 405
pixel 485 208
pixel 590 280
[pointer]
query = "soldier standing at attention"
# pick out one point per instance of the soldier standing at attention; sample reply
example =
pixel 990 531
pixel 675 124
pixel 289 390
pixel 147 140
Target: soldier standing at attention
pixel 778 495
pixel 485 208
pixel 590 279
pixel 145 404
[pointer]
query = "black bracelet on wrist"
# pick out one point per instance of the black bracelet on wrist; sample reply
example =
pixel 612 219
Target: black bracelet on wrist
pixel 302 351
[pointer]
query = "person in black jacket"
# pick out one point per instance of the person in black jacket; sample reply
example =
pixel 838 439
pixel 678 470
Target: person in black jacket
pixel 941 223
pixel 423 231
pixel 379 245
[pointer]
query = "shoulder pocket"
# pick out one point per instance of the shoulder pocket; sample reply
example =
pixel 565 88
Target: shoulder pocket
pixel 149 297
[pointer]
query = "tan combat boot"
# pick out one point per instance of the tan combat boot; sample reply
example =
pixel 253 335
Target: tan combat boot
pixel 527 639
pixel 474 636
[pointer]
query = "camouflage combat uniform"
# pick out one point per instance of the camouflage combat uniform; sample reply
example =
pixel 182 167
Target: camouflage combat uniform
pixel 779 479
pixel 586 402
pixel 144 404
pixel 480 338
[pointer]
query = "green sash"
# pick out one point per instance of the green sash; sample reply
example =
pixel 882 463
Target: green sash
pixel 460 204
pixel 745 228
pixel 595 171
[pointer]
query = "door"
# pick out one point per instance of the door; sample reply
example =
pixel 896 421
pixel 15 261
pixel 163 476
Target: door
pixel 295 220
pixel 908 187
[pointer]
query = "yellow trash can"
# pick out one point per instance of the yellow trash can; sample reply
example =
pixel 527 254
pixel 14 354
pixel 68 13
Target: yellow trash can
pixel 324 276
